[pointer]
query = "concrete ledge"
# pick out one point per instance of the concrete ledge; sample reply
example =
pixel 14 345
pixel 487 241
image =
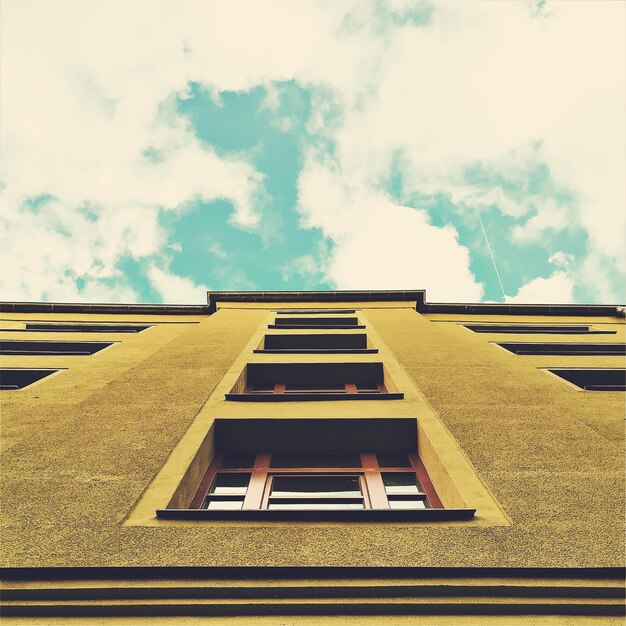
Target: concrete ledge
pixel 213 297
pixel 310 397
pixel 315 326
pixel 365 515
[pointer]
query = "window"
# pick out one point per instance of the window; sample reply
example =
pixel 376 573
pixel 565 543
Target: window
pixel 12 379
pixel 359 469
pixel 316 481
pixel 85 328
pixel 566 349
pixel 300 388
pixel 316 343
pixel 316 322
pixel 537 329
pixel 42 348
pixel 594 379
pixel 280 382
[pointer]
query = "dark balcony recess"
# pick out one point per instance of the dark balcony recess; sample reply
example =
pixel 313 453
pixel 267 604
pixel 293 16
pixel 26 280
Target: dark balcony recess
pixel 594 379
pixel 537 329
pixel 315 344
pixel 288 382
pixel 14 379
pixel 566 349
pixel 317 322
pixel 86 328
pixel 51 348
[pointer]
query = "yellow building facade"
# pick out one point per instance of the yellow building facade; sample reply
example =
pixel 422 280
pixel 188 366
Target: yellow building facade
pixel 312 458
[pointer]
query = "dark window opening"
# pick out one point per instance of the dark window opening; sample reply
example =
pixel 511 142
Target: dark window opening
pixel 317 322
pixel 43 348
pixel 13 379
pixel 86 328
pixel 538 329
pixel 594 379
pixel 281 382
pixel 565 349
pixel 315 343
pixel 312 459
pixel 392 459
pixel 241 460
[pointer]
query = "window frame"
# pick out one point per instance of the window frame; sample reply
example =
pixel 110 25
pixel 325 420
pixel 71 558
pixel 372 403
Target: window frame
pixel 348 388
pixel 373 493
pixel 307 381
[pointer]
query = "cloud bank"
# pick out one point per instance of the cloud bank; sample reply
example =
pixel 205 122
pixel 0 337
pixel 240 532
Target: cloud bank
pixel 409 101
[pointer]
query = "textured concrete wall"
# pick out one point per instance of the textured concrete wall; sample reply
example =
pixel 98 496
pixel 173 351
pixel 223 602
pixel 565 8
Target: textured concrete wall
pixel 80 450
pixel 552 455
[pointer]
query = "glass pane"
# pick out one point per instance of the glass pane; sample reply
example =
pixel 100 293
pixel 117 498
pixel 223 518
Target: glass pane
pixel 406 504
pixel 224 505
pixel 393 459
pixel 236 460
pixel 316 506
pixel 289 486
pixel 231 484
pixel 339 459
pixel 400 483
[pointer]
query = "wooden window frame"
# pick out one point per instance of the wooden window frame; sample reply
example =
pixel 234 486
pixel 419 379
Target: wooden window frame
pixel 370 474
pixel 348 388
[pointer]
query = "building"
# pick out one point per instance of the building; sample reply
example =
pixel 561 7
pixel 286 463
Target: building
pixel 313 458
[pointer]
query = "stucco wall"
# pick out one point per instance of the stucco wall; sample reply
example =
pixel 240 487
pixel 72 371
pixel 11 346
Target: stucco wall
pixel 80 449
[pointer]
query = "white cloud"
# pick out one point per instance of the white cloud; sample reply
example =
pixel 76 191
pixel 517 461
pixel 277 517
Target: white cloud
pixel 87 91
pixel 556 289
pixel 488 82
pixel 550 216
pixel 176 289
pixel 217 250
pixel 383 245
pixel 88 118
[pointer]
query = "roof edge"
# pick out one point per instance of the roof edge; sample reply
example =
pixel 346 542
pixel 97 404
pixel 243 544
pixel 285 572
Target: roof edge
pixel 417 296
pixel 129 309
pixel 497 308
pixel 213 297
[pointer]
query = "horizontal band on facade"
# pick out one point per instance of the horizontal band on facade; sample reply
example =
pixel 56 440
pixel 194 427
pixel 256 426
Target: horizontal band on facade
pixel 234 609
pixel 306 591
pixel 303 572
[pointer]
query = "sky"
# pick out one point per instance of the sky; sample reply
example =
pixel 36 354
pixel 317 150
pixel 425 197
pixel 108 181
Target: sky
pixel 156 149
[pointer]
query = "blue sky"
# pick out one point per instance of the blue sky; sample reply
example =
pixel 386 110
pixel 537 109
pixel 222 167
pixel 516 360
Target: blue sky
pixel 250 145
